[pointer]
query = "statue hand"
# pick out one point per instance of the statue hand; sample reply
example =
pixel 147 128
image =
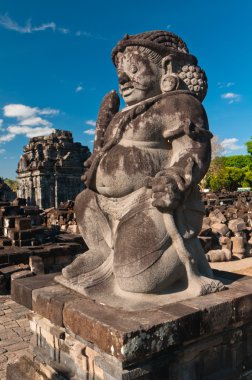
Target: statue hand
pixel 87 164
pixel 89 161
pixel 166 193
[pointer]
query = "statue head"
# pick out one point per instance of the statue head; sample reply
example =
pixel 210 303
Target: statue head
pixel 156 62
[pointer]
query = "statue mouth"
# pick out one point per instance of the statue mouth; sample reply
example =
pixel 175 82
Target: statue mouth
pixel 127 89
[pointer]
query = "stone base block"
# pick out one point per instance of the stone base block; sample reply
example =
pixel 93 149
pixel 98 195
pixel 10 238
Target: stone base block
pixel 77 338
pixel 27 369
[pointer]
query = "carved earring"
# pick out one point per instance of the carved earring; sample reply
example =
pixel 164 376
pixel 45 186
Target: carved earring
pixel 169 82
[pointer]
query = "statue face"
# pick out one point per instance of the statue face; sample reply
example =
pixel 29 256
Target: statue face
pixel 139 78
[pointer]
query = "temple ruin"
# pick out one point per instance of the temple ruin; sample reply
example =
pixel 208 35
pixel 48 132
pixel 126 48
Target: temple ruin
pixel 50 169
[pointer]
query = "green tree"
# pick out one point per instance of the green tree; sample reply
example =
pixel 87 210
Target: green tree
pixel 216 164
pixel 237 161
pixel 247 181
pixel 249 146
pixel 11 183
pixel 227 178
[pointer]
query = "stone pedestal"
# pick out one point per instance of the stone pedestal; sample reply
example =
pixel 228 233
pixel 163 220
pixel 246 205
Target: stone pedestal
pixel 74 337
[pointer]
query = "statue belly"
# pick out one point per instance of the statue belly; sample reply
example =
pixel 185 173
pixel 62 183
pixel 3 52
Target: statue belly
pixel 124 169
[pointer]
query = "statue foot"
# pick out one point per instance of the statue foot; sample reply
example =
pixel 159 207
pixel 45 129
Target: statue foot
pixel 88 269
pixel 200 286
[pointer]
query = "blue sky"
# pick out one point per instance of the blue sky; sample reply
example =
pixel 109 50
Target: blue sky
pixel 56 65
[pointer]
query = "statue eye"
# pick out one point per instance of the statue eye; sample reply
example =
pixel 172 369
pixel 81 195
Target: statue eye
pixel 133 69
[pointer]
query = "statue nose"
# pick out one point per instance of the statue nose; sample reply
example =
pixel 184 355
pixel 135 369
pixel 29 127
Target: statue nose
pixel 123 78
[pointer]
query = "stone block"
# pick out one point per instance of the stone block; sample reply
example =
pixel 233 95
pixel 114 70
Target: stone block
pixel 21 274
pixel 8 270
pixel 205 338
pixel 219 228
pixel 238 247
pixel 237 225
pixel 9 221
pixel 13 234
pixel 19 202
pixel 36 265
pixel 49 302
pixel 21 243
pixel 4 242
pixel 11 210
pixel 21 289
pixel 63 260
pixel 73 229
pixel 22 223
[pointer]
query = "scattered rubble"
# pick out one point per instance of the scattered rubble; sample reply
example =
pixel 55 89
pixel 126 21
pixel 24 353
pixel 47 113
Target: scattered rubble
pixel 28 246
pixel 62 218
pixel 227 228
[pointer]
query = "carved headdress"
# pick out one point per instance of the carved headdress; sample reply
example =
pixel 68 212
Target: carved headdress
pixel 162 42
pixel 165 43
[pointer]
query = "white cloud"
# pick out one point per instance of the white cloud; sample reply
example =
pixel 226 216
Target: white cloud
pixel 92 123
pixel 21 111
pixel 35 121
pixel 64 30
pixel 79 88
pixel 231 97
pixel 230 145
pixel 28 121
pixel 89 132
pixel 7 23
pixel 48 111
pixel 29 131
pixel 225 84
pixel 7 138
pixel 42 27
pixel 83 33
pixel 34 132
pixel 28 28
pixel 2 151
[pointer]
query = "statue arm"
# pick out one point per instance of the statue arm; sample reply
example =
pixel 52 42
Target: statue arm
pixel 109 107
pixel 190 159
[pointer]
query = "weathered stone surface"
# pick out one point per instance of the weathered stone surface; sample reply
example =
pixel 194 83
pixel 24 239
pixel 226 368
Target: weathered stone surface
pixel 136 334
pixel 202 338
pixel 141 212
pixel 220 228
pixel 36 264
pixel 230 236
pixel 49 171
pixel 23 294
pixel 50 301
pixel 14 339
pixel 23 236
pixel 237 225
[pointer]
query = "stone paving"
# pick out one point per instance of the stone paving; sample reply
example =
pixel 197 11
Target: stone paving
pixel 243 266
pixel 15 333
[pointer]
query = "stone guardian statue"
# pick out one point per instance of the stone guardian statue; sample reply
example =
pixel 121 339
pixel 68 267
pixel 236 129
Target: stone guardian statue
pixel 141 211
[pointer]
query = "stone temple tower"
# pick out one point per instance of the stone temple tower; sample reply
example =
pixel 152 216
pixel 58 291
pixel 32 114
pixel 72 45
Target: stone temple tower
pixel 50 169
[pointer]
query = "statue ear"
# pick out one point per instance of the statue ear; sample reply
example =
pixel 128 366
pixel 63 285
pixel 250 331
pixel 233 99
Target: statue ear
pixel 167 64
pixel 169 81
